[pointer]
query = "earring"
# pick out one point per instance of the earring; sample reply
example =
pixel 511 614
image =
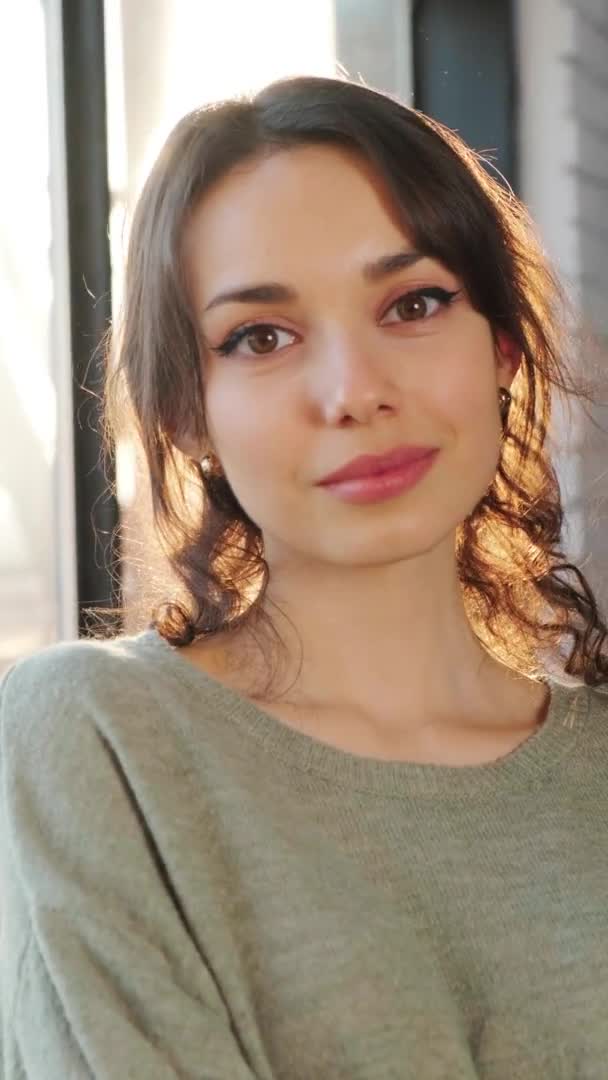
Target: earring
pixel 505 400
pixel 211 465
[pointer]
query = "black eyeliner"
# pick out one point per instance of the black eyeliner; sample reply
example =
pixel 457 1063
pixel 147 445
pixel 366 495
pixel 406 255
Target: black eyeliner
pixel 230 343
pixel 444 296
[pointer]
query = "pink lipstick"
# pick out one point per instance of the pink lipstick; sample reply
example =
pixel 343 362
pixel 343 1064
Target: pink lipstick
pixel 374 478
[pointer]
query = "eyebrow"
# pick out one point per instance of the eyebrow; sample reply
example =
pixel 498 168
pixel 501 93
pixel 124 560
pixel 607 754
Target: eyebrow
pixel 273 291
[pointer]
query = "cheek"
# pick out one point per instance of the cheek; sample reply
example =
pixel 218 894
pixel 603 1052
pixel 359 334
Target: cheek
pixel 471 408
pixel 467 384
pixel 468 400
pixel 249 431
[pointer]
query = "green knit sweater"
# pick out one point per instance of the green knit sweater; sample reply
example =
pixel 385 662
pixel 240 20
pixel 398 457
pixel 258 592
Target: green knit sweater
pixel 191 889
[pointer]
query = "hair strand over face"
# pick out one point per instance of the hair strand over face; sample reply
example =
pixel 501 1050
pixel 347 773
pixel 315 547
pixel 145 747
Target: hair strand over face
pixel 524 598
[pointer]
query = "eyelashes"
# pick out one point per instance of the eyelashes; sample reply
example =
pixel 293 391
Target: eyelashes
pixel 228 346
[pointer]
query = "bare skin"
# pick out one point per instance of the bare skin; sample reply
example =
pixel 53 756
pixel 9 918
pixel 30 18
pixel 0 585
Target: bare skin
pixel 390 665
pixel 516 706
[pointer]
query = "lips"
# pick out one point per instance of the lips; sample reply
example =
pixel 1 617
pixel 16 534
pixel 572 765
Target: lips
pixel 376 464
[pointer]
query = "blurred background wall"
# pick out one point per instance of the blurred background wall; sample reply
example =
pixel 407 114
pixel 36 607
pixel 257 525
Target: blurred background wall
pixel 90 90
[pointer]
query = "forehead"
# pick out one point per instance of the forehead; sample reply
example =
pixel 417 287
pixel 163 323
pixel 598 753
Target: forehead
pixel 309 206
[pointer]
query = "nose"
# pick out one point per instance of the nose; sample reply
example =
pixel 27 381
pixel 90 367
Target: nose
pixel 352 385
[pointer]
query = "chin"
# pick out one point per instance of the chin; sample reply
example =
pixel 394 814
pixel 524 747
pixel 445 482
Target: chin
pixel 383 546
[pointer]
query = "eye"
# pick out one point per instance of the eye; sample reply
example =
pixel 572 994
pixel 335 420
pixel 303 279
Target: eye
pixel 263 338
pixel 421 304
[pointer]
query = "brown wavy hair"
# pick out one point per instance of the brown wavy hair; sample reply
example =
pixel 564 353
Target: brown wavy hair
pixel 522 595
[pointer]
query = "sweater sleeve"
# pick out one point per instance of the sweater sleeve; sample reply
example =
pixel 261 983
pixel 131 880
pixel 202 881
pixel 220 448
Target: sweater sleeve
pixel 99 976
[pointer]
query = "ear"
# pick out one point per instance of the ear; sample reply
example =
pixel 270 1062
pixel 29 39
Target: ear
pixel 188 445
pixel 508 356
pixel 187 442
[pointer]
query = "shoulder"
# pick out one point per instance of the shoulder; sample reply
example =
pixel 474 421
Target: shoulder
pixel 71 669
pixel 584 710
pixel 597 699
pixel 72 683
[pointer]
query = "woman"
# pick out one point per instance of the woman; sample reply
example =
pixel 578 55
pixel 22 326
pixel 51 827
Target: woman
pixel 338 811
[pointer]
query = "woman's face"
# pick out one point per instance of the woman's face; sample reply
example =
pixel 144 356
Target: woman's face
pixel 336 367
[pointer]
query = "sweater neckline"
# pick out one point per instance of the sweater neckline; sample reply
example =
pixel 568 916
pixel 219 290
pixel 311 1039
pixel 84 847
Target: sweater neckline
pixel 525 766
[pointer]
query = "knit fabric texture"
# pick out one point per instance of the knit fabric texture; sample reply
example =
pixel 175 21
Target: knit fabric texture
pixel 192 889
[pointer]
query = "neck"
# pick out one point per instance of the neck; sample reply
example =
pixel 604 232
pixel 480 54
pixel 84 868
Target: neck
pixel 393 639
